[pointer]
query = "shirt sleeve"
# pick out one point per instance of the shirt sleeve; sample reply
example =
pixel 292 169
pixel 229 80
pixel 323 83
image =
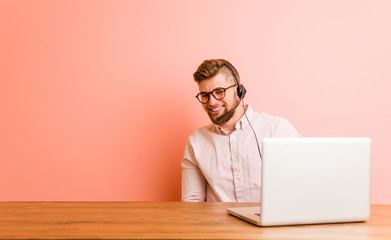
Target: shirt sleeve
pixel 193 181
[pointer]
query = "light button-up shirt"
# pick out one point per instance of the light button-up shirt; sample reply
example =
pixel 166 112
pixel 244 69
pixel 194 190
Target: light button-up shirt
pixel 222 166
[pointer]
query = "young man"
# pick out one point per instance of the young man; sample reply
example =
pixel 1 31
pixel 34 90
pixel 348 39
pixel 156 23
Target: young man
pixel 222 161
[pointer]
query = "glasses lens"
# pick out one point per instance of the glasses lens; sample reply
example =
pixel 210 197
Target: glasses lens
pixel 219 93
pixel 203 98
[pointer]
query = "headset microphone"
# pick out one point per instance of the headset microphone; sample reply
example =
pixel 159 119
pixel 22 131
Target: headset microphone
pixel 219 118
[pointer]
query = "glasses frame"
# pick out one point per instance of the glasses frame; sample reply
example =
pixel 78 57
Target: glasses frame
pixel 211 93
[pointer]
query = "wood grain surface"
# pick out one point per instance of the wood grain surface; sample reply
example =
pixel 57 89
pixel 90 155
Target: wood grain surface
pixel 165 220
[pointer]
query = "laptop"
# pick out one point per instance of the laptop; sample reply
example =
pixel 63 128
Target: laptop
pixel 312 181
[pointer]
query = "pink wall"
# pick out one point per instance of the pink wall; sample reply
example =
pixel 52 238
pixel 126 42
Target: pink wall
pixel 97 97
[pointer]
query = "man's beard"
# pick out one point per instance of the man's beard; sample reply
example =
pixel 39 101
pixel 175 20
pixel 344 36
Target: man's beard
pixel 227 115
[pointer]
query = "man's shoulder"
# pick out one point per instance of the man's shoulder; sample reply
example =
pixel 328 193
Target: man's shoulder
pixel 267 118
pixel 262 116
pixel 202 132
pixel 279 126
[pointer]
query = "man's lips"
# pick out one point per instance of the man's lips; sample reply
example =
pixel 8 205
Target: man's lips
pixel 216 110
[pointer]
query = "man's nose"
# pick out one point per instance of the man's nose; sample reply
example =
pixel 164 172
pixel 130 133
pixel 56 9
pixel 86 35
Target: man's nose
pixel 212 100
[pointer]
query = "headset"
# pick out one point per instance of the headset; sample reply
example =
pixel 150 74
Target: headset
pixel 241 92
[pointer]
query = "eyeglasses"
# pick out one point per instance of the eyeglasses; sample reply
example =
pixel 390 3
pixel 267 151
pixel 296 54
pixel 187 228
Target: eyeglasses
pixel 217 93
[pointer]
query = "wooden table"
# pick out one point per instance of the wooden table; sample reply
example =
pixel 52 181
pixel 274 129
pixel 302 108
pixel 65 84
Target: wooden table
pixel 165 220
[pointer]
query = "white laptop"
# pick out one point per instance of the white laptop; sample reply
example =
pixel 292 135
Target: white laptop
pixel 311 181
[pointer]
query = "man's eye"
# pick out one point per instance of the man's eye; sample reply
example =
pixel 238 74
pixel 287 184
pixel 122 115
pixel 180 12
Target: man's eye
pixel 219 91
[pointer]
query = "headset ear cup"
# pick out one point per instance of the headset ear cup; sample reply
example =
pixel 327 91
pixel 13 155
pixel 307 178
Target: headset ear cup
pixel 241 91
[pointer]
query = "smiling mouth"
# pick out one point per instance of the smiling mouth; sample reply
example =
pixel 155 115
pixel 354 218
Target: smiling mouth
pixel 215 110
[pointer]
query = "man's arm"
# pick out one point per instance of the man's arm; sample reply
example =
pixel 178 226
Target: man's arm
pixel 193 181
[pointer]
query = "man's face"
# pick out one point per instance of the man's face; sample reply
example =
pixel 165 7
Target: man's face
pixel 215 108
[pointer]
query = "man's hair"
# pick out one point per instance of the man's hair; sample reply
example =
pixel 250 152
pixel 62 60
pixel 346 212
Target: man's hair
pixel 210 68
